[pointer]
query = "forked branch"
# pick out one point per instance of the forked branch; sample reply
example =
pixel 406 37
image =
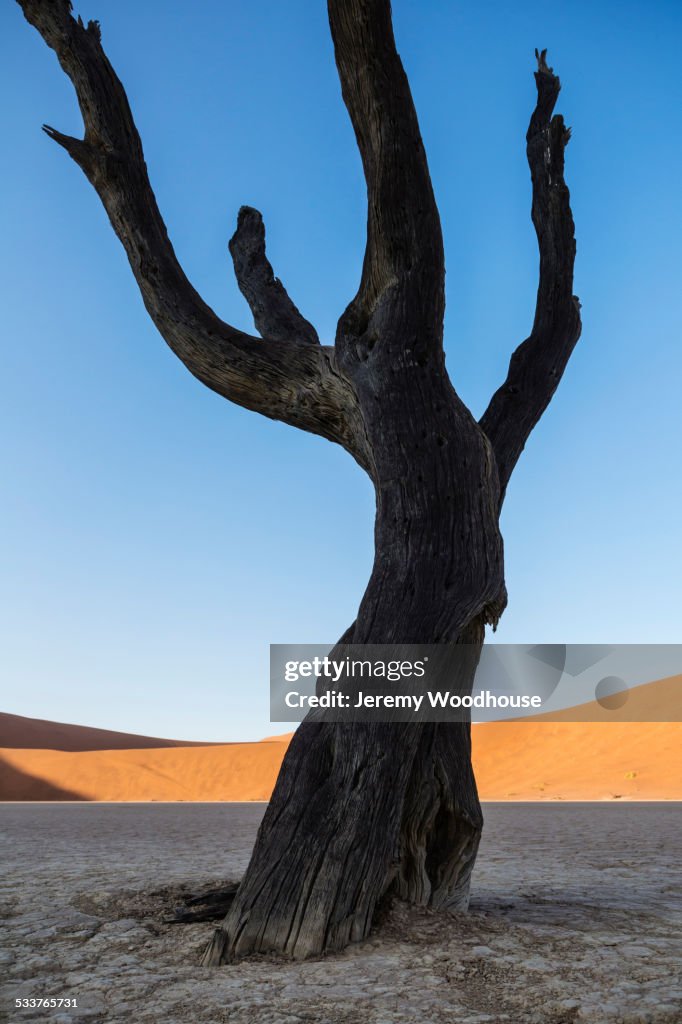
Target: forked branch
pixel 295 382
pixel 538 364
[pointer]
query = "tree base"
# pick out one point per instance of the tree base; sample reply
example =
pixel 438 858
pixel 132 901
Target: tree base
pixel 216 951
pixel 359 811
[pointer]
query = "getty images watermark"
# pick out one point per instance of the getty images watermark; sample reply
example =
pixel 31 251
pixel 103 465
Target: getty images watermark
pixel 440 682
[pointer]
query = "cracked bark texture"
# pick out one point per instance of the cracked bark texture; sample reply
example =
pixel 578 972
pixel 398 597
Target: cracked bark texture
pixel 359 809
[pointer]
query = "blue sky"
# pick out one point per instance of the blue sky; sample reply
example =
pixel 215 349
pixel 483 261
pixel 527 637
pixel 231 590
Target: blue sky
pixel 156 539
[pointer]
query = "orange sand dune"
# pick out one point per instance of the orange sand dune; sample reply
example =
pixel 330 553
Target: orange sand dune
pixel 513 761
pixel 235 771
pixel 660 701
pixel 526 759
pixel 30 733
pixel 578 760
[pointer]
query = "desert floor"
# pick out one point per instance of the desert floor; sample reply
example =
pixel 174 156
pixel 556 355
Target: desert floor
pixel 574 917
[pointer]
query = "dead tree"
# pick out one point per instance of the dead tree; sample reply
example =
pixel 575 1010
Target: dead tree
pixel 358 809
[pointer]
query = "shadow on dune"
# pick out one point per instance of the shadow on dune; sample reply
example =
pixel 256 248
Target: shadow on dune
pixel 18 785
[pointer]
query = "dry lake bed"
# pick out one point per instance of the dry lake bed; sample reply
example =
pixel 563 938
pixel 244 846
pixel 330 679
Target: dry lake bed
pixel 575 916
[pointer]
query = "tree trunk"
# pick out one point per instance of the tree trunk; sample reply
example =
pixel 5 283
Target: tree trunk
pixel 345 823
pixel 361 808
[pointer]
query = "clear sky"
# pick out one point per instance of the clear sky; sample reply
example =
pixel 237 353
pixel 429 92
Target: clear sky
pixel 154 538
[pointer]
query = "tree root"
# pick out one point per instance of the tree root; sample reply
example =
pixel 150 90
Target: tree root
pixel 210 906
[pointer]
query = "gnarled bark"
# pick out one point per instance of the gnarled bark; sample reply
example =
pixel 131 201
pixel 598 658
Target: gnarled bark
pixel 359 809
pixel 537 365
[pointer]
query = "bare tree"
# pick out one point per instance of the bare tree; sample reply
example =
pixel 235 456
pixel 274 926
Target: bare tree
pixel 358 809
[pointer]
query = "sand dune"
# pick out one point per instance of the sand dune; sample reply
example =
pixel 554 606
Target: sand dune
pixel 578 760
pixel 38 733
pixel 237 771
pixel 528 759
pixel 660 701
pixel 519 761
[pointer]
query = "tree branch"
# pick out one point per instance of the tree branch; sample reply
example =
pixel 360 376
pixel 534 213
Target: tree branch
pixel 538 364
pixel 297 382
pixel 274 314
pixel 404 240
